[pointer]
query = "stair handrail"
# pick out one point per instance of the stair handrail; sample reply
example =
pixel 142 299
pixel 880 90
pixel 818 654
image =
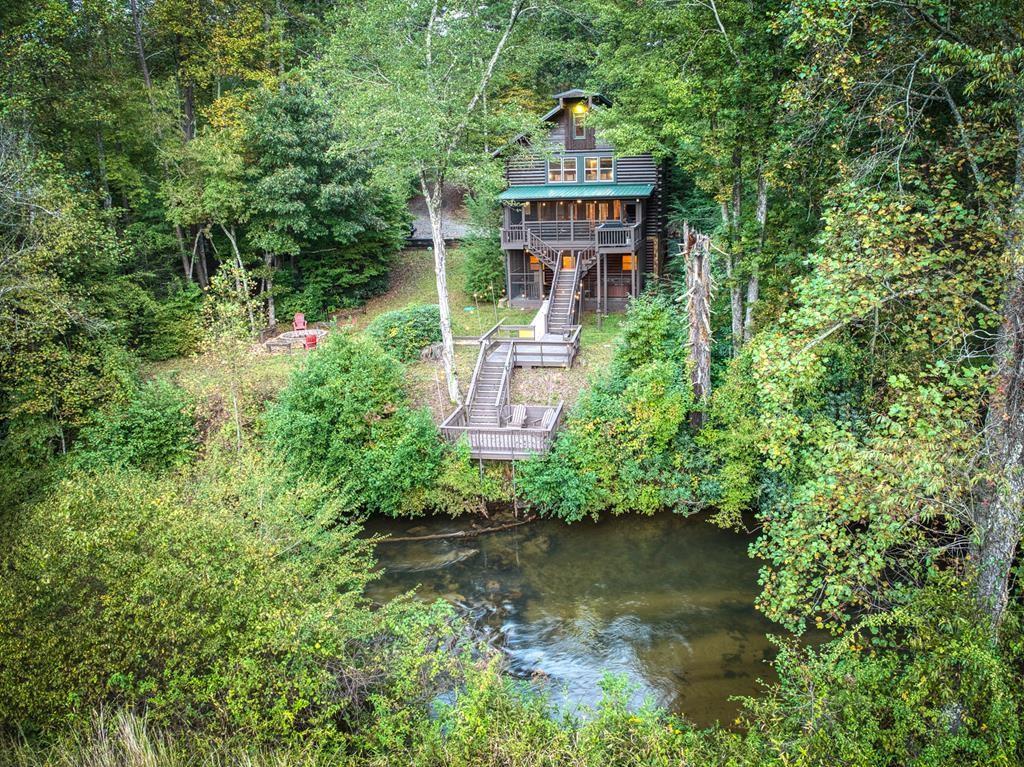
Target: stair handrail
pixel 573 297
pixel 485 345
pixel 541 249
pixel 557 269
pixel 506 376
pixel 587 260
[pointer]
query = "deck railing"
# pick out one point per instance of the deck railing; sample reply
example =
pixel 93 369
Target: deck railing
pixel 574 233
pixel 617 236
pixel 507 443
pixel 501 398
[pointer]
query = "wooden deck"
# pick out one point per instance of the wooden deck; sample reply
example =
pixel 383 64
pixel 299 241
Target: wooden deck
pixel 495 428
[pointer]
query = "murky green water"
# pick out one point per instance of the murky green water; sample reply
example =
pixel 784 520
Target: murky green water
pixel 665 600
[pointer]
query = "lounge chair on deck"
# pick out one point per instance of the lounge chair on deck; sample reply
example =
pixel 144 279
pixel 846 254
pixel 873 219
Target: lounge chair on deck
pixel 518 417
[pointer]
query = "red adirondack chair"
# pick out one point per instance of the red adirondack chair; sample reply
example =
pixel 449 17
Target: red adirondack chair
pixel 310 342
pixel 299 321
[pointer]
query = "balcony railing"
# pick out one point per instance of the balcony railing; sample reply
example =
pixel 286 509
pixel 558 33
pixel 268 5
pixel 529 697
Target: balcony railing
pixel 617 236
pixel 602 234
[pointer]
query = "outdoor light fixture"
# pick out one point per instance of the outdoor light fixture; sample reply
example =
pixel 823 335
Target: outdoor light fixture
pixel 580 108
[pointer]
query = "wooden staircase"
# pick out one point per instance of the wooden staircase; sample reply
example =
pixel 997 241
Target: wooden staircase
pixel 488 390
pixel 562 309
pixel 546 254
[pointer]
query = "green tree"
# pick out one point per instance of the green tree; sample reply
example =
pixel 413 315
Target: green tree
pixel 410 81
pixel 345 419
pixel 314 204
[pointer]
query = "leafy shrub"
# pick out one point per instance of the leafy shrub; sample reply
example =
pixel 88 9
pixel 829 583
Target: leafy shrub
pixel 344 419
pixel 626 445
pixel 922 684
pixel 405 332
pixel 230 605
pixel 155 430
pixel 483 266
pixel 172 327
pixel 340 278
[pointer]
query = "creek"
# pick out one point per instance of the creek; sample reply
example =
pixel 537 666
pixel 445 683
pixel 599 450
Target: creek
pixel 665 601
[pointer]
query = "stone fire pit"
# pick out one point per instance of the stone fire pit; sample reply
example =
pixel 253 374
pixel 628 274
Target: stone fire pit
pixel 293 339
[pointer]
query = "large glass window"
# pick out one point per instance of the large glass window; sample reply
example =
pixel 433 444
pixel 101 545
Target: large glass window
pixel 562 170
pixel 598 169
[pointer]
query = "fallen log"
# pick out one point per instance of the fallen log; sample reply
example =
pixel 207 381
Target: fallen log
pixel 458 533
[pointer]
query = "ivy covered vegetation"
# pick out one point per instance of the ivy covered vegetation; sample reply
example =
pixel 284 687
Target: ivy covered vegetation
pixel 182 571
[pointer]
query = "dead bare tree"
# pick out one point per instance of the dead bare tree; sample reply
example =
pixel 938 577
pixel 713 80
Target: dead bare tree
pixel 696 252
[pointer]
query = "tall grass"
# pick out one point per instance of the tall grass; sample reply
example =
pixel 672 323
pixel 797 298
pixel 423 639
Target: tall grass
pixel 125 739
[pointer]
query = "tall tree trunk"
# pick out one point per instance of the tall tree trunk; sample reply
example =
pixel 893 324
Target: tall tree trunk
pixel 243 276
pixel 140 49
pixel 998 519
pixel 697 253
pixel 998 523
pixel 735 291
pixel 435 211
pixel 754 281
pixel 201 266
pixel 735 247
pixel 188 112
pixel 101 159
pixel 268 289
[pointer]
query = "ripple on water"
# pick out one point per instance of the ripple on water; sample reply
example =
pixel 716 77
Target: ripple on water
pixel 666 601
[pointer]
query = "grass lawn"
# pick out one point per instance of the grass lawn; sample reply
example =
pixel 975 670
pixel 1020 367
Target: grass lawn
pixel 412 282
pixel 261 375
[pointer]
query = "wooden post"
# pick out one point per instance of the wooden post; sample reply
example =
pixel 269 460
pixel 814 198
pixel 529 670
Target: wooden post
pixel 696 250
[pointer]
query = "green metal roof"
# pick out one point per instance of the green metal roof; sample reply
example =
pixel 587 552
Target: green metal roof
pixel 576 191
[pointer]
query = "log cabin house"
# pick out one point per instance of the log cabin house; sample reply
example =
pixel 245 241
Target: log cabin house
pixel 572 199
pixel 582 229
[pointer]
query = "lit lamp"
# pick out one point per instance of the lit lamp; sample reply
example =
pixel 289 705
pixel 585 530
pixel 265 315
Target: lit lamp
pixel 580 108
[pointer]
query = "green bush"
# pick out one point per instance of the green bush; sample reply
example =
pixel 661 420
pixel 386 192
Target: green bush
pixel 483 266
pixel 172 327
pixel 626 445
pixel 405 332
pixel 156 430
pixel 228 605
pixel 339 278
pixel 344 419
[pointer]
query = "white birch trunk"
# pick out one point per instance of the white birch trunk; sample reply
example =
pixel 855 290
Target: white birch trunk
pixel 436 215
pixel 735 290
pixel 754 282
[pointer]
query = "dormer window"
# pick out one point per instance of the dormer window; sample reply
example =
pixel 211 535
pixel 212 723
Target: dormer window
pixel 562 170
pixel 598 169
pixel 579 114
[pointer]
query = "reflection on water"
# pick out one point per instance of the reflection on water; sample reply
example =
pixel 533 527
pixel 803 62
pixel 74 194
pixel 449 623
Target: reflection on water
pixel 665 600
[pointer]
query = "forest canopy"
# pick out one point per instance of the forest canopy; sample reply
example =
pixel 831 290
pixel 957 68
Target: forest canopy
pixel 185 568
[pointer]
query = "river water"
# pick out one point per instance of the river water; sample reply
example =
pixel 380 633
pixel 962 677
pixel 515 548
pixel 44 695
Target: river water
pixel 666 601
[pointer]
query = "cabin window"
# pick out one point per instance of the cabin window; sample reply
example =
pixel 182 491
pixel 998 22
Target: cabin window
pixel 579 129
pixel 599 169
pixel 534 263
pixel 627 263
pixel 562 170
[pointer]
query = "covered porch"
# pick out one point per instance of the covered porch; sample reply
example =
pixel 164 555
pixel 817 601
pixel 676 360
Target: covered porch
pixel 601 216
